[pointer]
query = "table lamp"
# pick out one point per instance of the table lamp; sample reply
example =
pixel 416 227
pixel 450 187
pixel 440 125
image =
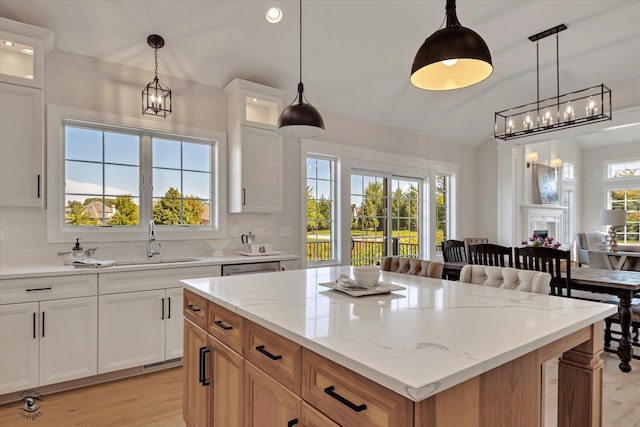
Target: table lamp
pixel 613 218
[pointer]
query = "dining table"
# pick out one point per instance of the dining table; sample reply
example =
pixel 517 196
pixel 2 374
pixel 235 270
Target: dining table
pixel 621 283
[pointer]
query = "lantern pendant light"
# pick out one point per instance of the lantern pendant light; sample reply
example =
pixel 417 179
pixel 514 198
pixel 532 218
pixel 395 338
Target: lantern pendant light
pixel 451 58
pixel 156 97
pixel 300 119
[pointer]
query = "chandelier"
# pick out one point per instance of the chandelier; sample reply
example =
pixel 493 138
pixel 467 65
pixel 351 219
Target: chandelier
pixel 559 112
pixel 156 97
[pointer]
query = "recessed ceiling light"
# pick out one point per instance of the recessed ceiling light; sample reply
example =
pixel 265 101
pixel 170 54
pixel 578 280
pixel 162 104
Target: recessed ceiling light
pixel 8 43
pixel 28 76
pixel 274 15
pixel 27 51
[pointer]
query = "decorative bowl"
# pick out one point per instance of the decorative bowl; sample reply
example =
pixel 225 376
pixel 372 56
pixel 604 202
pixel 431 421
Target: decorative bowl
pixel 366 275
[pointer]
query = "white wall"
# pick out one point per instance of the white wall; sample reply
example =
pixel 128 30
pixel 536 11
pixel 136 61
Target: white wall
pixel 86 83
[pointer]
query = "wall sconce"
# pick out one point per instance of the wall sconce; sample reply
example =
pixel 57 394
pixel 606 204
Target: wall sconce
pixel 532 157
pixel 556 163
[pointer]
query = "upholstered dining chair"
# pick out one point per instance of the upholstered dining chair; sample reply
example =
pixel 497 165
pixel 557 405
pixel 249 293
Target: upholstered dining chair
pixel 468 241
pixel 547 260
pixel 413 266
pixel 490 254
pixel 507 278
pixel 455 257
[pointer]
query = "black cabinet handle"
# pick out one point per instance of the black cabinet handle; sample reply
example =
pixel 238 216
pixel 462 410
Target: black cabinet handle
pixel 162 317
pixel 38 186
pixel 193 308
pixel 358 408
pixel 34 324
pixel 222 325
pixel 204 367
pixel 292 422
pixel 169 316
pixel 43 323
pixel 261 349
pixel 201 365
pixel 48 288
pixel 244 197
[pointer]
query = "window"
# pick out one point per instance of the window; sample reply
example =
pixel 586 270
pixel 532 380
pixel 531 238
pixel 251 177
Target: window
pixel 567 215
pixel 567 171
pixel 321 223
pixel 624 169
pixel 628 199
pixel 108 176
pixel 442 194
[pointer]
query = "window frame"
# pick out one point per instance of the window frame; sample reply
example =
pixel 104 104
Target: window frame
pixel 58 117
pixel 335 221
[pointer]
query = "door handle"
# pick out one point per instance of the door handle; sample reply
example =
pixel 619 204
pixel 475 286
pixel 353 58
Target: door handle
pixel 34 324
pixel 271 356
pixel 244 197
pixel 292 422
pixel 43 323
pixel 38 186
pixel 193 308
pixel 203 358
pixel 358 408
pixel 222 325
pixel 162 317
pixel 169 316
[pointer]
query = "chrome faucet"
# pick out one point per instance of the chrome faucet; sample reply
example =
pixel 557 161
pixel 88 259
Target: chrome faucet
pixel 151 251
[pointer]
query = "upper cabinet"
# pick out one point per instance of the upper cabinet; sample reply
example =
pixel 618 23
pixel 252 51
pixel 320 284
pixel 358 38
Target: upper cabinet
pixel 255 148
pixel 22 51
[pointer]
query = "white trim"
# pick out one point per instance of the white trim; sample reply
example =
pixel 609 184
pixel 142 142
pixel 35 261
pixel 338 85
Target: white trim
pixel 56 115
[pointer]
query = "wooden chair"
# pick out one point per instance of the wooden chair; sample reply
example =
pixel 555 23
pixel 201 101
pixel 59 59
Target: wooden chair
pixel 455 257
pixel 635 324
pixel 548 260
pixel 468 241
pixel 413 266
pixel 490 254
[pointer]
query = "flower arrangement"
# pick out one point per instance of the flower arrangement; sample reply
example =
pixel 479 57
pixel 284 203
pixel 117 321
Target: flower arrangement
pixel 546 242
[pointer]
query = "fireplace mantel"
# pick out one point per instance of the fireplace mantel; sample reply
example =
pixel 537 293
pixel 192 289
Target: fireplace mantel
pixel 542 217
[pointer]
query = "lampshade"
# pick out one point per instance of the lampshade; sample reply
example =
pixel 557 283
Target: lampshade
pixel 300 119
pixel 614 217
pixel 451 58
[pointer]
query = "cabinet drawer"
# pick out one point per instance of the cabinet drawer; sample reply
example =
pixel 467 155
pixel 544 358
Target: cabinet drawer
pixel 225 325
pixel 148 280
pixel 195 308
pixel 275 355
pixel 48 288
pixel 350 399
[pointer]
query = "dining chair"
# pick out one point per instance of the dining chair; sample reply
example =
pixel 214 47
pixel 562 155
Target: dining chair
pixel 547 260
pixel 507 278
pixel 412 266
pixel 468 241
pixel 609 333
pixel 491 254
pixel 455 257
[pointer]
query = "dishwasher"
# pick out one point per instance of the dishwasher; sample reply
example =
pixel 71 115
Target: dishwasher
pixel 250 268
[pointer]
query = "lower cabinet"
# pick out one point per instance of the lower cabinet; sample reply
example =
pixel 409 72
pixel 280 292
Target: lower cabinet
pixel 139 328
pixel 196 397
pixel 47 342
pixel 267 402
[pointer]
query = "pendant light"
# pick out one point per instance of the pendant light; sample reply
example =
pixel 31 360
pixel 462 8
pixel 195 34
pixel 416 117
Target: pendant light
pixel 451 58
pixel 156 97
pixel 300 119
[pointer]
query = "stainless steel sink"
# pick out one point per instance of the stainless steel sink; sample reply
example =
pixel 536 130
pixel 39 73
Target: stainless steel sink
pixel 156 261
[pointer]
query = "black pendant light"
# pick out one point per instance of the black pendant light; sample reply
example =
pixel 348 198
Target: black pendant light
pixel 300 119
pixel 156 97
pixel 451 58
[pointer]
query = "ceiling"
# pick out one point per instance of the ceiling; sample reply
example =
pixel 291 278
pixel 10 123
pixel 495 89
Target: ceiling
pixel 357 54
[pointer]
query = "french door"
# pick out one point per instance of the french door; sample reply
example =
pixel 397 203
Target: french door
pixel 386 217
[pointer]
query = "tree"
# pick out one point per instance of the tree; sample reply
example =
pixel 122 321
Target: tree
pixel 76 214
pixel 192 210
pixel 172 209
pixel 127 212
pixel 372 206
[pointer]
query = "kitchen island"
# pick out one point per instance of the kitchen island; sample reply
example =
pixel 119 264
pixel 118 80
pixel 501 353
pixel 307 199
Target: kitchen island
pixel 438 353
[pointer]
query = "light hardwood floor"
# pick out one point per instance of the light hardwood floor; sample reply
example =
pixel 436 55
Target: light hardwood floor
pixel 155 400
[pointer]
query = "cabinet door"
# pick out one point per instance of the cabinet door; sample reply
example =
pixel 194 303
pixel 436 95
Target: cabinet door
pixel 18 346
pixel 21 146
pixel 227 369
pixel 311 417
pixel 196 404
pixel 68 339
pixel 267 403
pixel 289 264
pixel 173 323
pixel 131 330
pixel 261 170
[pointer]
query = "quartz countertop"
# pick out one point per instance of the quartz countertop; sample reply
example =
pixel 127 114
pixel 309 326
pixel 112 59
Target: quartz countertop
pixel 417 342
pixel 24 271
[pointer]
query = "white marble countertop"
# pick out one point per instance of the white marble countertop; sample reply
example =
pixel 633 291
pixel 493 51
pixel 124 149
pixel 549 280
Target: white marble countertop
pixel 418 341
pixel 24 271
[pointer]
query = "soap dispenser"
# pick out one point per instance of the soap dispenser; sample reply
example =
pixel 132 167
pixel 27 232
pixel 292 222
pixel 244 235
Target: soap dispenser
pixel 77 250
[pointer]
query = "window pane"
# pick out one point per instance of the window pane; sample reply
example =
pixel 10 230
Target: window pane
pixel 121 180
pixel 83 178
pixel 83 144
pixel 324 169
pixel 324 189
pixel 196 184
pixel 163 180
pixel 166 153
pixel 125 211
pixel 121 148
pixel 196 157
pixel 168 211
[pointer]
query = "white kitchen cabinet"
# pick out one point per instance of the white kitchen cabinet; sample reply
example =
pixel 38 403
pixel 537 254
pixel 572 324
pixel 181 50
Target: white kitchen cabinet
pixel 22 57
pixel 174 324
pixel 18 347
pixel 255 148
pixel 21 146
pixel 289 264
pixel 47 342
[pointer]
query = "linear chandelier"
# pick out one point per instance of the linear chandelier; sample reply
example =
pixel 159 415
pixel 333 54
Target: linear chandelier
pixel 559 112
pixel 156 97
